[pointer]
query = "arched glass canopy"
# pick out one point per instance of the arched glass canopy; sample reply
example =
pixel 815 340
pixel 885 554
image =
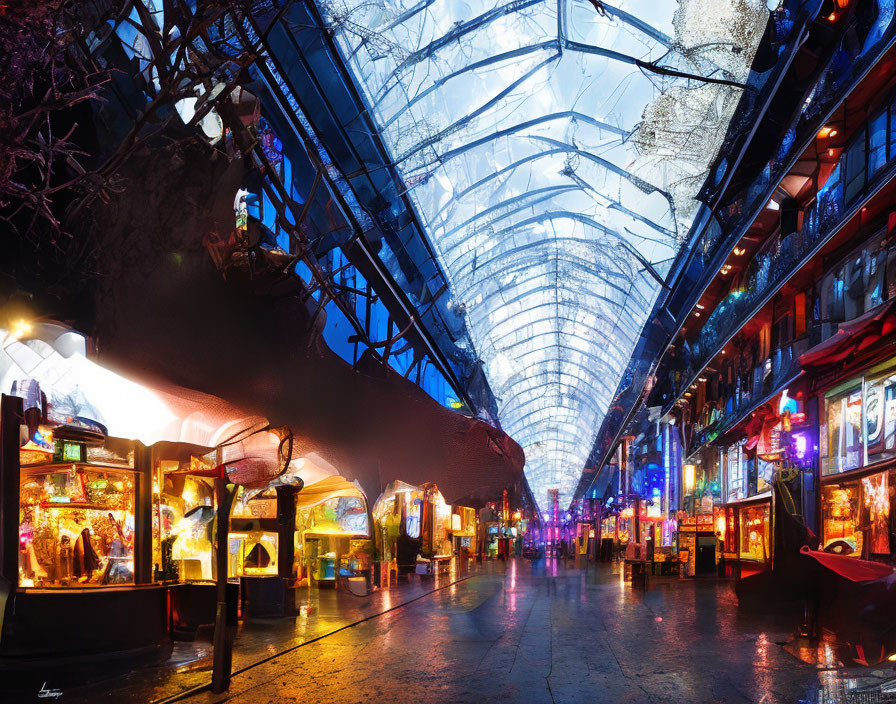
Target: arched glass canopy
pixel 552 149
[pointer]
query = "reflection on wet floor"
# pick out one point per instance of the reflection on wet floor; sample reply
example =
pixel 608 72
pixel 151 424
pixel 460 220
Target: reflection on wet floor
pixel 552 631
pixel 549 630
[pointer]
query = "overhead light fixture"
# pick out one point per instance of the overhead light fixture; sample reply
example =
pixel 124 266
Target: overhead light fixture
pixel 723 351
pixel 739 251
pixel 832 17
pixel 19 329
pixel 696 313
pixel 687 394
pixel 700 306
pixel 830 152
pixel 702 378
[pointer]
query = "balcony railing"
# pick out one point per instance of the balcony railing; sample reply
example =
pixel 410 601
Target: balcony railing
pixel 860 48
pixel 769 271
pixel 767 379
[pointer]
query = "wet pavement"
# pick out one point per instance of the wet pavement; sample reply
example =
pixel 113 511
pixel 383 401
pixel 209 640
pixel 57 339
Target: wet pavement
pixel 321 612
pixel 546 632
pixel 524 632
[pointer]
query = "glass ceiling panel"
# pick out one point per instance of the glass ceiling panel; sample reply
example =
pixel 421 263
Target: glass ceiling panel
pixel 553 149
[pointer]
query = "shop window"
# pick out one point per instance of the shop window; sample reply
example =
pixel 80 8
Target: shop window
pixel 765 471
pixel 253 541
pixel 843 449
pixel 183 520
pixel 76 514
pixel 854 180
pixel 329 533
pixel 876 503
pixel 781 334
pixel 880 417
pixel 736 473
pixel 877 143
pixel 840 518
pixel 755 533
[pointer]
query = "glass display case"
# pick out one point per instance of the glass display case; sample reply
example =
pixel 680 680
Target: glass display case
pixel 254 541
pixel 840 518
pixel 252 554
pixel 76 518
pixel 184 513
pixel 755 532
pixel 325 533
pixel 876 504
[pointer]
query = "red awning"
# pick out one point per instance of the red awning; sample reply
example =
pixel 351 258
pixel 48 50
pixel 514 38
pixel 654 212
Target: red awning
pixel 853 337
pixel 852 568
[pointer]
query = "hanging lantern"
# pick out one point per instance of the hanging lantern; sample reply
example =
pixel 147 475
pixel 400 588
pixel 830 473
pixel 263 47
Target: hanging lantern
pixel 842 3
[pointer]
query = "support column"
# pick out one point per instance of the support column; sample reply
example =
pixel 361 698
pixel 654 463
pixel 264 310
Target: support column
pixel 142 514
pixel 286 531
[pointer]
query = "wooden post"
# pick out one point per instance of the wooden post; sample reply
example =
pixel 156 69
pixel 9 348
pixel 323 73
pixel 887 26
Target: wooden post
pixel 223 640
pixel 286 531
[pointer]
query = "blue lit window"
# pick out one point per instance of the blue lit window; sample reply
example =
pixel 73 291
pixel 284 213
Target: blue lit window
pixel 855 168
pixel 877 143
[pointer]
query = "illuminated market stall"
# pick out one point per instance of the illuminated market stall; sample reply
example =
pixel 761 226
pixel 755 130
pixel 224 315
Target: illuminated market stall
pixel 332 538
pixel 98 515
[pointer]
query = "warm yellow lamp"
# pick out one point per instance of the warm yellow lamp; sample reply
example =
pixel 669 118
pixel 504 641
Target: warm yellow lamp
pixel 690 478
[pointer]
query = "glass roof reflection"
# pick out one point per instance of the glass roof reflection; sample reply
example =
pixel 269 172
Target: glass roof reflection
pixel 552 149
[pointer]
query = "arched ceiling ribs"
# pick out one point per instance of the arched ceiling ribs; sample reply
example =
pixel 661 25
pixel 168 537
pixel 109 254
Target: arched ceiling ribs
pixel 606 248
pixel 524 198
pixel 634 180
pixel 447 156
pixel 495 175
pixel 457 31
pixel 398 21
pixel 592 299
pixel 483 259
pixel 552 225
pixel 597 386
pixel 603 344
pixel 636 22
pixel 469 117
pixel 470 68
pixel 471 286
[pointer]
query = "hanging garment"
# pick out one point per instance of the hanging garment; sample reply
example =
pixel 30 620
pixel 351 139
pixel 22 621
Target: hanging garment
pixel 86 561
